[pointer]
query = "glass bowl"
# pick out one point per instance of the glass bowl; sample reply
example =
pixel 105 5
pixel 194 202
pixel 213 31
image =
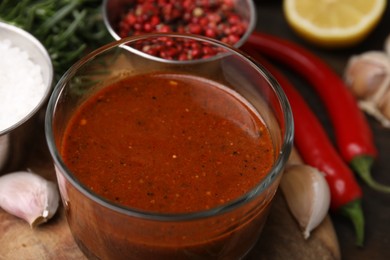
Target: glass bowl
pixel 107 229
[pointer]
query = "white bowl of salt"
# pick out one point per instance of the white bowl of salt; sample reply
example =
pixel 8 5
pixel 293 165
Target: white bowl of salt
pixel 26 75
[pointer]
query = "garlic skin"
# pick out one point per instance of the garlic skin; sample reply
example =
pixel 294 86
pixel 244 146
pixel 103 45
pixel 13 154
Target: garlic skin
pixel 29 197
pixel 307 195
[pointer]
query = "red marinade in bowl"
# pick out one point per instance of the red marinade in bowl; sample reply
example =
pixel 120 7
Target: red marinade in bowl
pixel 168 143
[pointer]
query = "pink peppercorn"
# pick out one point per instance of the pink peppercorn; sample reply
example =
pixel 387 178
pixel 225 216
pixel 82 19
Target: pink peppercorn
pixel 211 18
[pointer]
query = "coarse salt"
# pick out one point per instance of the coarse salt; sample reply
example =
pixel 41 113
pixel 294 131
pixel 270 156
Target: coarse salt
pixel 21 84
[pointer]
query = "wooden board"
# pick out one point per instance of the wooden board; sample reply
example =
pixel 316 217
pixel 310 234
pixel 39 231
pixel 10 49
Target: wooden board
pixel 52 240
pixel 281 237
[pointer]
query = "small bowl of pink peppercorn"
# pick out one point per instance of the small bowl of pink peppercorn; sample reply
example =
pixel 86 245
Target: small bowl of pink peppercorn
pixel 229 21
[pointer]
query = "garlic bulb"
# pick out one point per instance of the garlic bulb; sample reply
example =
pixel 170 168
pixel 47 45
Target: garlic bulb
pixel 28 196
pixel 307 195
pixel 366 73
pixel 368 76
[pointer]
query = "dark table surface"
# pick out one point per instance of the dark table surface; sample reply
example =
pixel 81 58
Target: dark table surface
pixel 375 205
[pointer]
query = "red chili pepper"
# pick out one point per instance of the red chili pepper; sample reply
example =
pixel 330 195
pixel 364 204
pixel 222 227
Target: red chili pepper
pixel 353 134
pixel 318 151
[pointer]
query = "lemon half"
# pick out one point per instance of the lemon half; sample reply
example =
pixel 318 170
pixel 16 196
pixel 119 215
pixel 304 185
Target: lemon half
pixel 333 23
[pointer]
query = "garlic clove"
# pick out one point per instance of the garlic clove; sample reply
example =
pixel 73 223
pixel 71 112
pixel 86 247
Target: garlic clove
pixel 384 104
pixel 365 73
pixel 387 45
pixel 372 109
pixel 29 197
pixel 307 195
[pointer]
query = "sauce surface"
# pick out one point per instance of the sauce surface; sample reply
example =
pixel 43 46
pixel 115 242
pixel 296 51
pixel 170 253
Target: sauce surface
pixel 168 143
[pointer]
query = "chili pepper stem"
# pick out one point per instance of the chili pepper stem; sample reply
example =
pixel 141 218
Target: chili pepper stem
pixel 354 212
pixel 362 165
